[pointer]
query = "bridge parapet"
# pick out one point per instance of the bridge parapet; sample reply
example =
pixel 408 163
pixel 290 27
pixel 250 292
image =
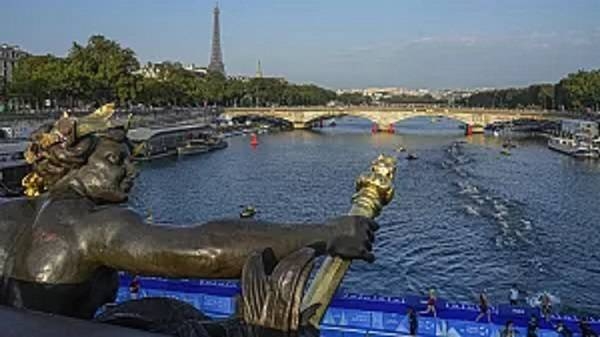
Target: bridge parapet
pixel 303 117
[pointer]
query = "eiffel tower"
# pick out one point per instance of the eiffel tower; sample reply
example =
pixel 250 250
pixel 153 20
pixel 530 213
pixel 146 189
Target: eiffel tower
pixel 216 56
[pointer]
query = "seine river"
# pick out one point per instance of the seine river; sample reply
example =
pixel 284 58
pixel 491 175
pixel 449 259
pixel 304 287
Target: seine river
pixel 465 218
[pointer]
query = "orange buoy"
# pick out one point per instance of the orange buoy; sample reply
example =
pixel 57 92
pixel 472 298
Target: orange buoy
pixel 253 139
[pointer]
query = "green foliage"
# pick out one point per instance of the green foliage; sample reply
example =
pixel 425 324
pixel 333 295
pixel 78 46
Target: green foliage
pixel 405 99
pixel 580 91
pixel 534 96
pixel 103 71
pixel 3 88
pixel 38 77
pixel 576 92
pixel 353 99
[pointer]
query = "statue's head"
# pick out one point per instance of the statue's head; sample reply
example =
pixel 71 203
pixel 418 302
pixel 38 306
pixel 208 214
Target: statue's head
pixel 89 155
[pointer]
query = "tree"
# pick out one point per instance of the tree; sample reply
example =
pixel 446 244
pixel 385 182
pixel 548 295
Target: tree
pixel 354 98
pixel 3 89
pixel 102 71
pixel 37 78
pixel 215 86
pixel 236 91
pixel 580 90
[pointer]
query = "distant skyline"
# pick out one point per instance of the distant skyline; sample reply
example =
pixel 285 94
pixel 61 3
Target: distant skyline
pixel 335 43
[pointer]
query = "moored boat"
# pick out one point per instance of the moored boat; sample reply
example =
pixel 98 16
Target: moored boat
pixel 193 146
pixel 216 143
pixel 13 168
pixel 578 146
pixel 155 143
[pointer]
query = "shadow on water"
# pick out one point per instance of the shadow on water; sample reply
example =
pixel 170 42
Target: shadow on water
pixel 464 218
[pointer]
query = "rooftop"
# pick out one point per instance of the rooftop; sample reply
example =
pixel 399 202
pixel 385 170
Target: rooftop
pixel 145 133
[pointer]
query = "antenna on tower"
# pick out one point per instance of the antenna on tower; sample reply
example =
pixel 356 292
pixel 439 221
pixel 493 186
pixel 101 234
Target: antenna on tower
pixel 259 72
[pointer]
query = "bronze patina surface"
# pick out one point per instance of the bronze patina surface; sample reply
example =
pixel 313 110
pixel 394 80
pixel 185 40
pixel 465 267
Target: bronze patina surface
pixel 61 246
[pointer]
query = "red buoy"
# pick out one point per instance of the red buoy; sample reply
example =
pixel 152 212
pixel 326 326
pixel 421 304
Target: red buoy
pixel 374 128
pixel 469 130
pixel 253 139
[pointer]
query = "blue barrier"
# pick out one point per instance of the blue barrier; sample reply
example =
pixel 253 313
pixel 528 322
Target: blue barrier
pixel 354 315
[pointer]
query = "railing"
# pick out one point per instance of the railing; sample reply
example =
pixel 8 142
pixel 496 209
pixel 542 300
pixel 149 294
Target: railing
pixel 354 315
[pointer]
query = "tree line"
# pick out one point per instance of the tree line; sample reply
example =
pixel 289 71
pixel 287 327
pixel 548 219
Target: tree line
pixel 576 92
pixel 104 71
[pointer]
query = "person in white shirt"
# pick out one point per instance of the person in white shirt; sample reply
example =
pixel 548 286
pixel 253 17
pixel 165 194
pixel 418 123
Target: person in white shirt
pixel 514 295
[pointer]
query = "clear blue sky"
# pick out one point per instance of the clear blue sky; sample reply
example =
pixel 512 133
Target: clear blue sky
pixel 336 43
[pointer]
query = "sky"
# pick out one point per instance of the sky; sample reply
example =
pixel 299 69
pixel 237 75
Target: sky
pixel 335 43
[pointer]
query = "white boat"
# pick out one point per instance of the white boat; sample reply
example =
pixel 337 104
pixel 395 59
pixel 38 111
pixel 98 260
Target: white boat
pixel 580 147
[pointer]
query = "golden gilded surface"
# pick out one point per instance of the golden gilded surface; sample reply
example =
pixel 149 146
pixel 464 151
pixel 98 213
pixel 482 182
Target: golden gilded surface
pixel 33 184
pixel 97 121
pixel 65 132
pixel 374 190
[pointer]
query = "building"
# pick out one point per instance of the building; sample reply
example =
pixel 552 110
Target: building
pixel 150 70
pixel 160 71
pixel 9 55
pixel 198 71
pixel 579 127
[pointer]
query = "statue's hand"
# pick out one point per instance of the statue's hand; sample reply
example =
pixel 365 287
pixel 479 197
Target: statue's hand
pixel 352 237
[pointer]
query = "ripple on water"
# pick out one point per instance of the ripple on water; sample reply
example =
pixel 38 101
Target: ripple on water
pixel 534 222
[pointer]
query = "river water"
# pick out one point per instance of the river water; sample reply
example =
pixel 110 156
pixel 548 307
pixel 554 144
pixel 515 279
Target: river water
pixel 465 218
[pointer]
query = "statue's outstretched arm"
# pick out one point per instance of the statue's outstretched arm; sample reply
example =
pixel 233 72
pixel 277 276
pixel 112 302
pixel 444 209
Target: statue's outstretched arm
pixel 214 250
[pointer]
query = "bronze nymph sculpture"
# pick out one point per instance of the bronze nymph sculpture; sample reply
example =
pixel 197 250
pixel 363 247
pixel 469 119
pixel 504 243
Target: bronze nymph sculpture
pixel 61 247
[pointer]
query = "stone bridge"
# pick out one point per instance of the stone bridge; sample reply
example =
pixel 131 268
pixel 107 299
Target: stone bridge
pixel 385 117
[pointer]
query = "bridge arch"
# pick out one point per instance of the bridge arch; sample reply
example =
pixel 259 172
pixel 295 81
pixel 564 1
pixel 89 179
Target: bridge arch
pixel 384 116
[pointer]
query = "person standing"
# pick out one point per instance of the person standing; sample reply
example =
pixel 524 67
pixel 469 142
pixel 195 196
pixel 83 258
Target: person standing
pixel 532 327
pixel 413 322
pixel 546 306
pixel 514 295
pixel 484 308
pixel 431 304
pixel 509 330
pixel 563 330
pixel 134 288
pixel 586 329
